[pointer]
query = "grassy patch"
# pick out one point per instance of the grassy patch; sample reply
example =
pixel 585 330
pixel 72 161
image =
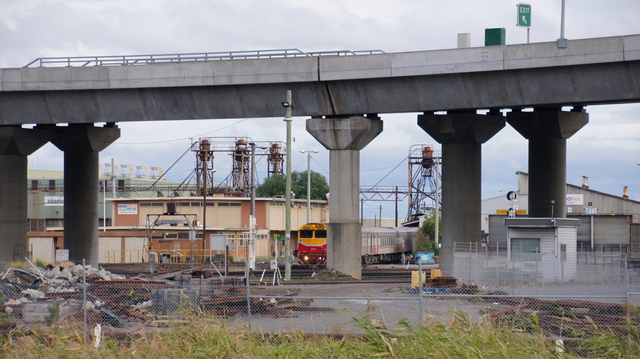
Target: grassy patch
pixel 207 337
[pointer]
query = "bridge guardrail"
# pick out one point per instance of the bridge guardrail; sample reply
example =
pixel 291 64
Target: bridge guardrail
pixel 82 61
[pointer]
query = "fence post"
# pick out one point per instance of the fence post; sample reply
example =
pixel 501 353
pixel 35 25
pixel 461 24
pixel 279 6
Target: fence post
pixel 626 278
pixel 420 289
pixel 248 300
pixel 497 264
pixel 469 261
pixel 84 297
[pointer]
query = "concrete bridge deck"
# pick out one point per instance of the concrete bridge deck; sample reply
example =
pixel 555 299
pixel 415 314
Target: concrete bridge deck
pixel 586 72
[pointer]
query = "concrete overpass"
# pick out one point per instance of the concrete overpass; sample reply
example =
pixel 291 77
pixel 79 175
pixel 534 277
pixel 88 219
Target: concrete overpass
pixel 343 96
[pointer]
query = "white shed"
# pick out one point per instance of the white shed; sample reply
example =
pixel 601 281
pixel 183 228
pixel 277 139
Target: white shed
pixel 545 245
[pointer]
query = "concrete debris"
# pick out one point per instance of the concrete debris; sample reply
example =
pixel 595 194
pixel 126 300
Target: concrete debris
pixel 50 294
pixel 564 317
pixel 33 294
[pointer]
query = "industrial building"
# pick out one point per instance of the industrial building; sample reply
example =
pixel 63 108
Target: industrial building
pixel 143 216
pixel 604 219
pixel 137 225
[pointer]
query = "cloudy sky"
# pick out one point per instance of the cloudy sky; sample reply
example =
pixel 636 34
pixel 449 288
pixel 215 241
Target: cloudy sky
pixel 607 150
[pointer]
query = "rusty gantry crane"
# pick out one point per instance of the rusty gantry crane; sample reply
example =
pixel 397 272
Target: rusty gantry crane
pixel 239 180
pixel 424 178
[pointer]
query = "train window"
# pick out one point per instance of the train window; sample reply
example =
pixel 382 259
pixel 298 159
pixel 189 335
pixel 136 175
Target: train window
pixel 305 234
pixel 321 234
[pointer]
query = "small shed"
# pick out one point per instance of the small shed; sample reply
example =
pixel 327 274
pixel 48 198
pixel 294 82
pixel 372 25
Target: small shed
pixel 544 245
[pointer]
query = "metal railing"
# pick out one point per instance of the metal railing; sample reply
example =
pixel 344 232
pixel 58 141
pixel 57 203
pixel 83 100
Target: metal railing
pixel 161 256
pixel 82 61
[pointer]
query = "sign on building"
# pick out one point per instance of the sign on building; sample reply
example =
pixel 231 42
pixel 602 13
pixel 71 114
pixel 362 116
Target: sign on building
pixel 54 200
pixel 128 208
pixel 575 199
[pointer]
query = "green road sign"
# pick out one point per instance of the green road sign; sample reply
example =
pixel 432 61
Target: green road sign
pixel 524 15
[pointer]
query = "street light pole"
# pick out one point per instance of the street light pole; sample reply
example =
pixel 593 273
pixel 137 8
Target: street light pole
pixel 562 42
pixel 309 182
pixel 287 223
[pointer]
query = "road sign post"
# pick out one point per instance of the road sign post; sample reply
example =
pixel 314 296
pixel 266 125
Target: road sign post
pixel 524 17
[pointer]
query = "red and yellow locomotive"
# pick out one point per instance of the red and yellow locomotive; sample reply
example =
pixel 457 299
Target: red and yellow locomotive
pixel 312 244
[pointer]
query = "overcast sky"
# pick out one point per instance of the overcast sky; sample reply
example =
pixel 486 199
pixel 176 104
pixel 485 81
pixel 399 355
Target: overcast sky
pixel 607 150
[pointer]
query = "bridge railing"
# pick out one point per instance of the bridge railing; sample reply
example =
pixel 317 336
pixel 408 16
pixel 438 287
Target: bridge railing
pixel 82 61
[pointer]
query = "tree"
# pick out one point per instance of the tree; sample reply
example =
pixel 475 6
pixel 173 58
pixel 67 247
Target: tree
pixel 426 234
pixel 276 186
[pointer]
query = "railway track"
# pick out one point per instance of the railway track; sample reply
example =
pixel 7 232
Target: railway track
pixel 319 275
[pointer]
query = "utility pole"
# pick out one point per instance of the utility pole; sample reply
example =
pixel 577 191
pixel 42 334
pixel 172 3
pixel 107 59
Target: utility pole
pixel 288 105
pixel 309 182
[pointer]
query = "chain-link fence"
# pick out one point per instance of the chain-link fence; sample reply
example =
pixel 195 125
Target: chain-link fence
pixel 601 294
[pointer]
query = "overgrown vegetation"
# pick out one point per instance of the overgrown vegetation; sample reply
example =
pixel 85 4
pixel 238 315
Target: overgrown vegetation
pixel 207 337
pixel 275 186
pixel 426 234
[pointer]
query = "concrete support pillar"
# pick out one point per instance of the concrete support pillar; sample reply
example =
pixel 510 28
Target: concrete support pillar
pixel 16 144
pixel 547 131
pixel 461 136
pixel 81 144
pixel 344 137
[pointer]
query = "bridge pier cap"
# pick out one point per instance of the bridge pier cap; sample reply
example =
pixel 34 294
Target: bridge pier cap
pixel 345 133
pixel 461 127
pixel 82 137
pixel 548 123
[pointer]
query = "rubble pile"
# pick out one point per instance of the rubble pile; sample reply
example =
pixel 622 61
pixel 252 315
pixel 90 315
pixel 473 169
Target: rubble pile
pixel 54 293
pixel 229 300
pixel 45 295
pixel 565 317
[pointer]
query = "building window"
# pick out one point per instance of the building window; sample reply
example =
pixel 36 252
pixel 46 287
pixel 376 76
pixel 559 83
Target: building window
pixel 184 204
pixel 222 204
pixel 525 249
pixel 156 204
pixel 145 204
pixel 52 185
pixel 276 204
pixel 34 185
pixel 235 204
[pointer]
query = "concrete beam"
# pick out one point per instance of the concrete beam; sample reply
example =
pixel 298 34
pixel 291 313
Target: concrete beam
pixel 461 136
pixel 81 145
pixel 344 137
pixel 547 131
pixel 15 145
pixel 587 72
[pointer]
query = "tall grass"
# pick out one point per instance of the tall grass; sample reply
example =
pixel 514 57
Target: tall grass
pixel 207 337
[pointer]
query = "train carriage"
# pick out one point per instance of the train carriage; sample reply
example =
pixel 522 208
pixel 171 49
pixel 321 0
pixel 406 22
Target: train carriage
pixel 386 245
pixel 379 244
